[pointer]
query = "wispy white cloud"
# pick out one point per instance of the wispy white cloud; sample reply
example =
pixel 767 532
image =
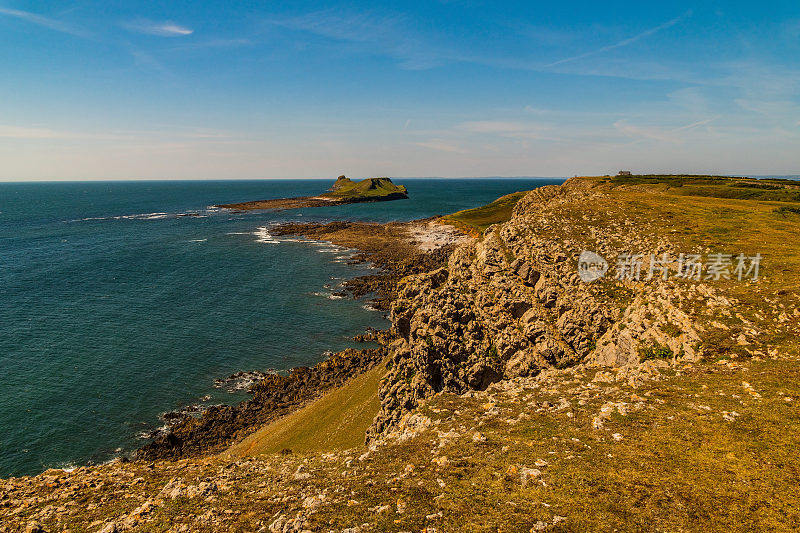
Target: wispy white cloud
pixel 18 132
pixel 396 35
pixel 161 29
pixel 759 79
pixel 692 99
pixel 658 133
pixel 45 22
pixel 212 44
pixel 493 126
pixel 148 62
pixel 37 132
pixel 508 129
pixel 640 132
pixel 694 125
pixel 441 146
pixel 535 110
pixel 393 35
pixel 624 42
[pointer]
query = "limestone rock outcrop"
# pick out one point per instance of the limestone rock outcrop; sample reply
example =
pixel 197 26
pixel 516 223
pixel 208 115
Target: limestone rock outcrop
pixel 512 304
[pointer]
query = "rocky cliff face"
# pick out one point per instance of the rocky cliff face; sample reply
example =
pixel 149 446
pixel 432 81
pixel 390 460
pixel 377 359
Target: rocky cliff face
pixel 512 304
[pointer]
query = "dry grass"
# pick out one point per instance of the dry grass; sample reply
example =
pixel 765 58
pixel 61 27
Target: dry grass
pixel 703 224
pixel 678 466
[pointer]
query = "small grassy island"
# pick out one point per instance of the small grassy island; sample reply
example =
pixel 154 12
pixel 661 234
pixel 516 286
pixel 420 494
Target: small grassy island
pixel 343 191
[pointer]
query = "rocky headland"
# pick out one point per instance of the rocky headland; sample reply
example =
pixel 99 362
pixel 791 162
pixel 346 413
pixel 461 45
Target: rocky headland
pixel 511 393
pixel 343 191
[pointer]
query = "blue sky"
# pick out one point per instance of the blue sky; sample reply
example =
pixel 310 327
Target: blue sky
pixel 198 89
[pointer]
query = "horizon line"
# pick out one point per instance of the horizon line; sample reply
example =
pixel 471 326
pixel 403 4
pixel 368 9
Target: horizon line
pixel 128 180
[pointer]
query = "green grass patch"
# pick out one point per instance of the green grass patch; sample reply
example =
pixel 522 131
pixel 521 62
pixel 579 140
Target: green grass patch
pixel 673 180
pixel 720 186
pixel 345 188
pixel 336 421
pixel 787 210
pixel 655 351
pixel 480 218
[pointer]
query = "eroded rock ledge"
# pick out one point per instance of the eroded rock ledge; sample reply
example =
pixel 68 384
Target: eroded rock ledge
pixel 512 304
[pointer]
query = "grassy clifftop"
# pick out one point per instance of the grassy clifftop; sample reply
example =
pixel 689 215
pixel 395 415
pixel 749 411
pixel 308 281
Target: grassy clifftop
pixel 712 213
pixel 772 189
pixel 474 221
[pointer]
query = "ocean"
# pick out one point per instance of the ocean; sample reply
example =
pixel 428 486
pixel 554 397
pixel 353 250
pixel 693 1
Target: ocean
pixel 123 300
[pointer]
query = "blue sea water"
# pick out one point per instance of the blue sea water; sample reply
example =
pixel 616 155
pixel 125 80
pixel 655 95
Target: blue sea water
pixel 117 306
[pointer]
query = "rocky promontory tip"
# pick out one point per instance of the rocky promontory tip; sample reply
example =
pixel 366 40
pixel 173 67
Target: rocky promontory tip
pixel 343 191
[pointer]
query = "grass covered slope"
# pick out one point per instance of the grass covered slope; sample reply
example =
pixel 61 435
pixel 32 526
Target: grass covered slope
pixel 704 447
pixel 475 221
pixel 336 421
pixel 771 189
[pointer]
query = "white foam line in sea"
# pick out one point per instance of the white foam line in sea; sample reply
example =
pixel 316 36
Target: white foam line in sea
pixel 325 247
pixel 142 216
pixel 147 216
pixel 304 241
pixel 69 467
pixel 264 236
pixel 328 295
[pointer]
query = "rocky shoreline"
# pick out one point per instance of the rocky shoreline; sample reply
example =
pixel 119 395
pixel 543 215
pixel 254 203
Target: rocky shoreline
pixel 396 250
pixel 272 397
